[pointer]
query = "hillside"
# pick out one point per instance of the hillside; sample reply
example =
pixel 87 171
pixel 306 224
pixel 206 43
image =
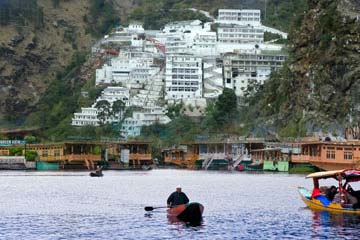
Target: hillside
pixel 38 40
pixel 319 87
pixel 275 13
pixel 44 47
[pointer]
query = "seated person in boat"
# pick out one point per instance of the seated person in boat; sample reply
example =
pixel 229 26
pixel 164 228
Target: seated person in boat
pixel 98 170
pixel 348 199
pixel 354 197
pixel 177 198
pixel 330 192
pixel 353 192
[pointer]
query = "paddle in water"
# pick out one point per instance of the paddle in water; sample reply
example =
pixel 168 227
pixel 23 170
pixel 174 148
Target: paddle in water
pixel 149 208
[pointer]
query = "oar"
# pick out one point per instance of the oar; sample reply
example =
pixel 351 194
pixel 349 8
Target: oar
pixel 152 208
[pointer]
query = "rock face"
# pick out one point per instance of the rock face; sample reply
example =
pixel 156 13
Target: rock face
pixel 34 48
pixel 31 53
pixel 325 63
pixel 320 85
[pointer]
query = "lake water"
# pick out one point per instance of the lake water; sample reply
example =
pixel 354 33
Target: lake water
pixel 71 205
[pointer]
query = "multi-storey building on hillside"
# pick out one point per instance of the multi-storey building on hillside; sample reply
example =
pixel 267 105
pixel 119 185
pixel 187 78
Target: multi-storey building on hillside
pixel 131 126
pixel 130 68
pixel 242 67
pixel 239 16
pixel 89 115
pixel 231 33
pixel 183 77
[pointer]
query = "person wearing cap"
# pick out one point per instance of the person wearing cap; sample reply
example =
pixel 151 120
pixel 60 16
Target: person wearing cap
pixel 177 198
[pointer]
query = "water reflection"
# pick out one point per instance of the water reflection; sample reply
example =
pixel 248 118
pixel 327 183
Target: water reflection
pixel 343 224
pixel 175 220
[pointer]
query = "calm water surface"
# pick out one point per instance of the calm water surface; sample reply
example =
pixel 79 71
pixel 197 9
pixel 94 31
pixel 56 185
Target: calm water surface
pixel 71 205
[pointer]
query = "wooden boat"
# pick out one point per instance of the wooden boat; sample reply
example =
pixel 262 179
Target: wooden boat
pixel 95 174
pixel 340 176
pixel 190 212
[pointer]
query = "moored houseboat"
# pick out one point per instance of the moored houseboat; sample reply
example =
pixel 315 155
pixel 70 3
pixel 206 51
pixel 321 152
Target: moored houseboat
pixel 66 155
pixel 128 155
pixel 330 155
pixel 212 155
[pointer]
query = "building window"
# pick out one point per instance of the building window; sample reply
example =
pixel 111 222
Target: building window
pixel 348 155
pixel 330 154
pixel 45 153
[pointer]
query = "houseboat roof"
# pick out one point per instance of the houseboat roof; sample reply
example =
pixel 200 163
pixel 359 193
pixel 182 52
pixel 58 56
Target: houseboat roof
pixel 345 143
pixel 230 141
pixel 266 150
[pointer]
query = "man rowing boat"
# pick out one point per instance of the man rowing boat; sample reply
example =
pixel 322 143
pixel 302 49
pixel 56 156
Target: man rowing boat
pixel 177 198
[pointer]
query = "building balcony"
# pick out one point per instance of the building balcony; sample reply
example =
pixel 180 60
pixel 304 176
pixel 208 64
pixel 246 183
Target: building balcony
pixel 51 158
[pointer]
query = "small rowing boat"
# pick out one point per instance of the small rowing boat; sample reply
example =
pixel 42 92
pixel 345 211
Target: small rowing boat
pixel 190 212
pixel 95 174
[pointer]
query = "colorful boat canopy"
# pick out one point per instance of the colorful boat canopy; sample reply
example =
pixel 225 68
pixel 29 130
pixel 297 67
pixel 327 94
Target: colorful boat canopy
pixel 351 175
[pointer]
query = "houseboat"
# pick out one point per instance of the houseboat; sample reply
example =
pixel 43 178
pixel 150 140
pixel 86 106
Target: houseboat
pixel 128 155
pixel 184 156
pixel 330 155
pixel 66 155
pixel 227 154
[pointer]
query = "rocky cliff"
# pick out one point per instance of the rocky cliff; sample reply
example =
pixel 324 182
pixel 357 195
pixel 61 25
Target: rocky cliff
pixel 38 40
pixel 319 87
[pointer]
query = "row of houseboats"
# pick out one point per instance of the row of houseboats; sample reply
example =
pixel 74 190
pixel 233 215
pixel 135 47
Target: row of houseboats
pixel 245 154
pixel 257 155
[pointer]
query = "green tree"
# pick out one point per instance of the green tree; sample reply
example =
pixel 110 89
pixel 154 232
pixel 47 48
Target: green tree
pixel 225 110
pixel 29 139
pixel 117 110
pixel 104 111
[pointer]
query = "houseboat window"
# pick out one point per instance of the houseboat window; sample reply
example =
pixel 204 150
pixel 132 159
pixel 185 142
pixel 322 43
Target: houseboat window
pixel 339 148
pixel 203 148
pixel 330 154
pixel 57 153
pixel 45 153
pixel 348 155
pixel 173 156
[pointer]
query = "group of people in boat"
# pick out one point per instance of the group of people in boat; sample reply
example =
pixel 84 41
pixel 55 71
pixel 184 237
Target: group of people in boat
pixel 348 196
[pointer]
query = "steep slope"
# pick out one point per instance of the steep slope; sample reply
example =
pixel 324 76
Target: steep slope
pixel 319 87
pixel 36 48
pixel 275 13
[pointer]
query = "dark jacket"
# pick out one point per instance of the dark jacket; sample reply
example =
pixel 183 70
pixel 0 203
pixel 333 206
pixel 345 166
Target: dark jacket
pixel 177 198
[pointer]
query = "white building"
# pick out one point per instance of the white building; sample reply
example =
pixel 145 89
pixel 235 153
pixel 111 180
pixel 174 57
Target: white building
pixel 188 37
pixel 204 44
pixel 242 67
pixel 88 116
pixel 239 16
pixel 131 69
pixel 245 18
pixel 131 126
pixel 112 94
pixel 135 27
pixel 186 27
pixel 235 34
pixel 183 77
